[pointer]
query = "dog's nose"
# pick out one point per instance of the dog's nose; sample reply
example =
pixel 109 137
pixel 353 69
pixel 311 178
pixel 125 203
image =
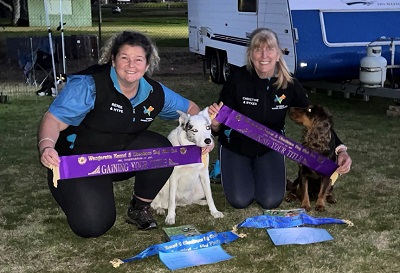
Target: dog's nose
pixel 207 141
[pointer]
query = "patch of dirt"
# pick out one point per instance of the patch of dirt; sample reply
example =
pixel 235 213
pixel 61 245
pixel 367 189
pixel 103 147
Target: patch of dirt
pixel 179 61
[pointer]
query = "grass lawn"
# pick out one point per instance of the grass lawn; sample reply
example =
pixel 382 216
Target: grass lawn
pixel 35 236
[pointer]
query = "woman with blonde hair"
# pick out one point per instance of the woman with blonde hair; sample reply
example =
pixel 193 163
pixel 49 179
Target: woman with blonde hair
pixel 262 90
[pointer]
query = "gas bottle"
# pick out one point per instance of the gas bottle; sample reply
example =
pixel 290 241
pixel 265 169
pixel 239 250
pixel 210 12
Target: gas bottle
pixel 373 68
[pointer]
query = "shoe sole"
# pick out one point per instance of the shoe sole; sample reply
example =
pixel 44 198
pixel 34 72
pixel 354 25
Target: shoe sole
pixel 133 222
pixel 215 180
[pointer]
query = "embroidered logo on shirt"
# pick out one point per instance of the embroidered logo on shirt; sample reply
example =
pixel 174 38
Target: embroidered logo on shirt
pixel 227 133
pixel 148 110
pixel 250 101
pixel 280 99
pixel 71 138
pixel 146 119
pixel 280 107
pixel 116 108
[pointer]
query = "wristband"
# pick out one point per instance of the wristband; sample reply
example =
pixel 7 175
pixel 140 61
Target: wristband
pixel 46 138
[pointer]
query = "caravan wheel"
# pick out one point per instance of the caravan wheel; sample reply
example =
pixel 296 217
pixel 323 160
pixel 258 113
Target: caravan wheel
pixel 216 67
pixel 226 67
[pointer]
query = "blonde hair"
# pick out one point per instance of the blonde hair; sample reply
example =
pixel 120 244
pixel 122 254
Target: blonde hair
pixel 268 37
pixel 132 38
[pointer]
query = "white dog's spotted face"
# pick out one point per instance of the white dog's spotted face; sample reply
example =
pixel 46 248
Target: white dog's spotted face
pixel 198 131
pixel 197 128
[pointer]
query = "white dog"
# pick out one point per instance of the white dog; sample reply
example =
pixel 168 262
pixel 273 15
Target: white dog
pixel 190 183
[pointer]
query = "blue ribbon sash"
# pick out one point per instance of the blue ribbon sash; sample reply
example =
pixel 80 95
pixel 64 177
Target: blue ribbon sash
pixel 205 240
pixel 268 221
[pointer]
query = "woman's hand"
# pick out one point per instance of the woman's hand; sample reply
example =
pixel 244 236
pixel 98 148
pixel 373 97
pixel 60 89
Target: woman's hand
pixel 344 161
pixel 49 157
pixel 49 131
pixel 213 110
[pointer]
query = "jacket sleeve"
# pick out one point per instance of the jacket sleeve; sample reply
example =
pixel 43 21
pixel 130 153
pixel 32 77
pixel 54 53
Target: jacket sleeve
pixel 337 139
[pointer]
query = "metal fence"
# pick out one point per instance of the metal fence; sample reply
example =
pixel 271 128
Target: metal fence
pixel 74 46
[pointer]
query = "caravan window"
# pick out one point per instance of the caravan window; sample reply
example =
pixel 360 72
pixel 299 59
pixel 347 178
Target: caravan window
pixel 247 5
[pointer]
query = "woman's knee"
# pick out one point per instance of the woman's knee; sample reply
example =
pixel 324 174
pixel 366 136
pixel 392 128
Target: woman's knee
pixel 91 228
pixel 239 203
pixel 149 139
pixel 270 203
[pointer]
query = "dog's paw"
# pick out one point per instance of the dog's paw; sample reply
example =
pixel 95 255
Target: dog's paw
pixel 217 214
pixel 170 219
pixel 306 207
pixel 320 205
pixel 290 197
pixel 331 199
pixel 160 211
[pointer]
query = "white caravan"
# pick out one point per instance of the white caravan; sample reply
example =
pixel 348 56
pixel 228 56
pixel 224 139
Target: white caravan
pixel 321 39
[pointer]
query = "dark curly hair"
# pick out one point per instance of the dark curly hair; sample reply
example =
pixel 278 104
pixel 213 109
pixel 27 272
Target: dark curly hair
pixel 132 38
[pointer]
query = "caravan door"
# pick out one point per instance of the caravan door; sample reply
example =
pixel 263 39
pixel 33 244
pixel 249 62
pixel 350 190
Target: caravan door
pixel 276 16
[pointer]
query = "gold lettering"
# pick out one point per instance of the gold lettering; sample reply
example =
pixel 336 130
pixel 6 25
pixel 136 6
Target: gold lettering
pixel 295 156
pixel 281 138
pixel 142 153
pixel 139 165
pixel 99 157
pixel 278 148
pixel 114 168
pixel 158 163
pixel 120 155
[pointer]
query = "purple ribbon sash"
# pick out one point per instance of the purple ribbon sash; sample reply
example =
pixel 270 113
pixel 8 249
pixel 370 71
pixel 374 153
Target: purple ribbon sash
pixel 276 141
pixel 84 165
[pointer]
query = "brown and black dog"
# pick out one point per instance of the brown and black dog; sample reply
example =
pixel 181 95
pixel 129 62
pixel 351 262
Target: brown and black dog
pixel 317 136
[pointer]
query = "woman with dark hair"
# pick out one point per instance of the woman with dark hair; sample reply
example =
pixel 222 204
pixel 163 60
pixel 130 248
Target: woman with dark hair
pixel 109 107
pixel 263 90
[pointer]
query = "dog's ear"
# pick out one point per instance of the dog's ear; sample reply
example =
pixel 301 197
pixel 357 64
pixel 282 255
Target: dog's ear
pixel 325 115
pixel 204 113
pixel 330 116
pixel 183 118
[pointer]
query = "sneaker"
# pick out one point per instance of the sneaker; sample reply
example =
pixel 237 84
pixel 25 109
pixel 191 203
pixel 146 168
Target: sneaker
pixel 216 180
pixel 142 217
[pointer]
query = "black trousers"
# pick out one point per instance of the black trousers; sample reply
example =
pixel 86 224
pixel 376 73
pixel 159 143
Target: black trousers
pixel 89 202
pixel 245 180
